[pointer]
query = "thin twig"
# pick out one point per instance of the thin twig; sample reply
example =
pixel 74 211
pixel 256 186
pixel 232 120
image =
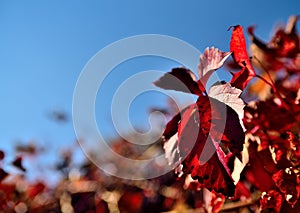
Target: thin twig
pixel 265 69
pixel 267 82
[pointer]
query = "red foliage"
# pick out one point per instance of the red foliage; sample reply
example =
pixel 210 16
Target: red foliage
pixel 272 126
pixel 209 125
pixel 240 56
pixel 205 142
pixel 271 200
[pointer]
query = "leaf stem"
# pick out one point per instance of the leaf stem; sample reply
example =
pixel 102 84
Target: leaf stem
pixel 267 82
pixel 271 83
pixel 265 69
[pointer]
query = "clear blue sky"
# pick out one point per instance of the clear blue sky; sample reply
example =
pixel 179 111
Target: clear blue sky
pixel 45 44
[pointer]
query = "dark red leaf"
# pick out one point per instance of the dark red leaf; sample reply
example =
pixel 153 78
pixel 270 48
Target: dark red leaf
pixel 3 174
pixel 285 44
pixel 179 79
pixel 255 172
pixel 211 174
pixel 286 181
pixel 264 57
pixel 2 155
pixel 131 201
pixel 83 201
pixel 241 191
pixel 18 164
pixel 172 127
pixel 271 200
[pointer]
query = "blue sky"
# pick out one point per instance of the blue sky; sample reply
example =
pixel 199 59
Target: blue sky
pixel 44 45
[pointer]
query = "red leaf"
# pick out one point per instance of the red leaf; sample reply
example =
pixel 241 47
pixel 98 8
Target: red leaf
pixel 217 201
pixel 285 44
pixel 256 172
pixel 35 189
pixel 131 201
pixel 201 155
pixel 230 96
pixel 188 129
pixel 3 174
pixel 238 46
pixel 226 126
pixel 179 79
pixel 2 155
pixel 18 164
pixel 286 181
pixel 240 79
pixel 240 56
pixel 265 58
pixel 271 200
pixel 211 174
pixel 241 191
pixel 171 127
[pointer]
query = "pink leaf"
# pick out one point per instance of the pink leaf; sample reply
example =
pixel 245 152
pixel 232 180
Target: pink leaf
pixel 286 181
pixel 271 200
pixel 211 60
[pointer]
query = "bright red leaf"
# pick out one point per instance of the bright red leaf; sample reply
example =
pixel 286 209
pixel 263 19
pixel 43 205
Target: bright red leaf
pixel 200 154
pixel 240 56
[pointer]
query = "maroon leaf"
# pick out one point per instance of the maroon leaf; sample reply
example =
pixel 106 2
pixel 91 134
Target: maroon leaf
pixel 271 200
pixel 230 96
pixel 18 164
pixel 241 191
pixel 131 201
pixel 256 172
pixel 226 126
pixel 211 174
pixel 172 127
pixel 217 201
pixel 3 174
pixel 179 79
pixel 286 181
pixel 285 44
pixel 2 155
